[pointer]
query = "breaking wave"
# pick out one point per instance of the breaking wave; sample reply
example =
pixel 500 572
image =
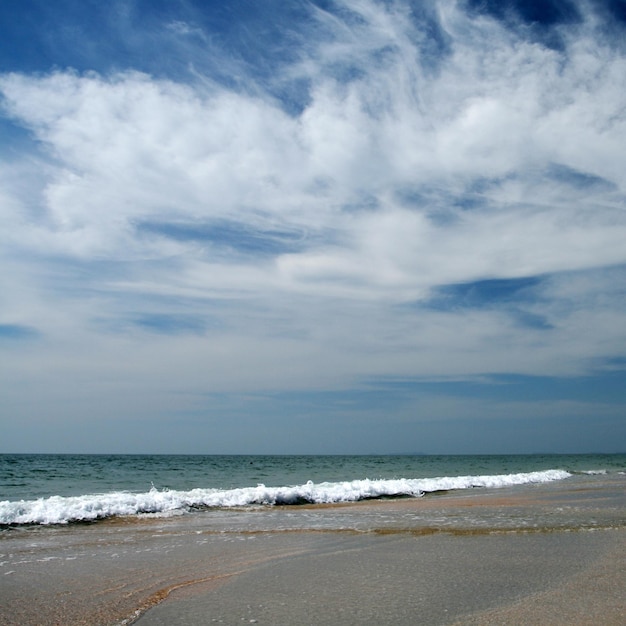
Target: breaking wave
pixel 85 508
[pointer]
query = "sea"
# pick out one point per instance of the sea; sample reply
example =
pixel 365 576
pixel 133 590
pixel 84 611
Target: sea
pixel 100 539
pixel 224 490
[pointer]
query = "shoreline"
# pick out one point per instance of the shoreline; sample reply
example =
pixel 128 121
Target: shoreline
pixel 505 555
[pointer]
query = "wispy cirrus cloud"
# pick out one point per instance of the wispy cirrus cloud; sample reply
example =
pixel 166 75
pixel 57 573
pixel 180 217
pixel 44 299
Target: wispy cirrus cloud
pixel 368 190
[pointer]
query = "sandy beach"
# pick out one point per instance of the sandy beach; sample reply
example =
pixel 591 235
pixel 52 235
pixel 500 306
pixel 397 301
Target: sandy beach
pixel 407 570
pixel 557 578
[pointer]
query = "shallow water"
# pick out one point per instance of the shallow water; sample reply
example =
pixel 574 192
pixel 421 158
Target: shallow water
pixel 113 570
pixel 52 489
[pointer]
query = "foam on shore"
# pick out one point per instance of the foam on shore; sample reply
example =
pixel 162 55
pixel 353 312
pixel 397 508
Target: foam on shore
pixel 91 507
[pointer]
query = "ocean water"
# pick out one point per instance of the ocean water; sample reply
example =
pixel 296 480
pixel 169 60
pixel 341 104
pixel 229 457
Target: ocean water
pixel 98 539
pixel 45 490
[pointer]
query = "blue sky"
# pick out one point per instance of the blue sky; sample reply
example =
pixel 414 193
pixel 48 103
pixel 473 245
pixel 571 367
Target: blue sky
pixel 313 227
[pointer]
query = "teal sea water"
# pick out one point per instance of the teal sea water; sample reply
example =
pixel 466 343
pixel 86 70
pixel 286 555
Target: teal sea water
pixel 58 489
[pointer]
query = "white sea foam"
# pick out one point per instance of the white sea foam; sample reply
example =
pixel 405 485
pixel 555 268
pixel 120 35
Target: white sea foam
pixel 61 510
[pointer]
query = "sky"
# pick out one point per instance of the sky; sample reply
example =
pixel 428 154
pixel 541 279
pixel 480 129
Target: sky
pixel 326 226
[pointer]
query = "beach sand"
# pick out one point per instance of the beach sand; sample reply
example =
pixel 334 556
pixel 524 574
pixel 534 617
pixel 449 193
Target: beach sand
pixel 553 578
pixel 157 572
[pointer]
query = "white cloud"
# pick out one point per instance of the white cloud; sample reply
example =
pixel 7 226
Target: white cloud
pixel 371 176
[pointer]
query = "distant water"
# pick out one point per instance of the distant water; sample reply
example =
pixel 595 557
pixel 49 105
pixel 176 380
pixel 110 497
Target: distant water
pixel 53 489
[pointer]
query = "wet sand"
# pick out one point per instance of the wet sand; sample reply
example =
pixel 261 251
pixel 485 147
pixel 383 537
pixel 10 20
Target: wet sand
pixel 403 568
pixel 553 578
